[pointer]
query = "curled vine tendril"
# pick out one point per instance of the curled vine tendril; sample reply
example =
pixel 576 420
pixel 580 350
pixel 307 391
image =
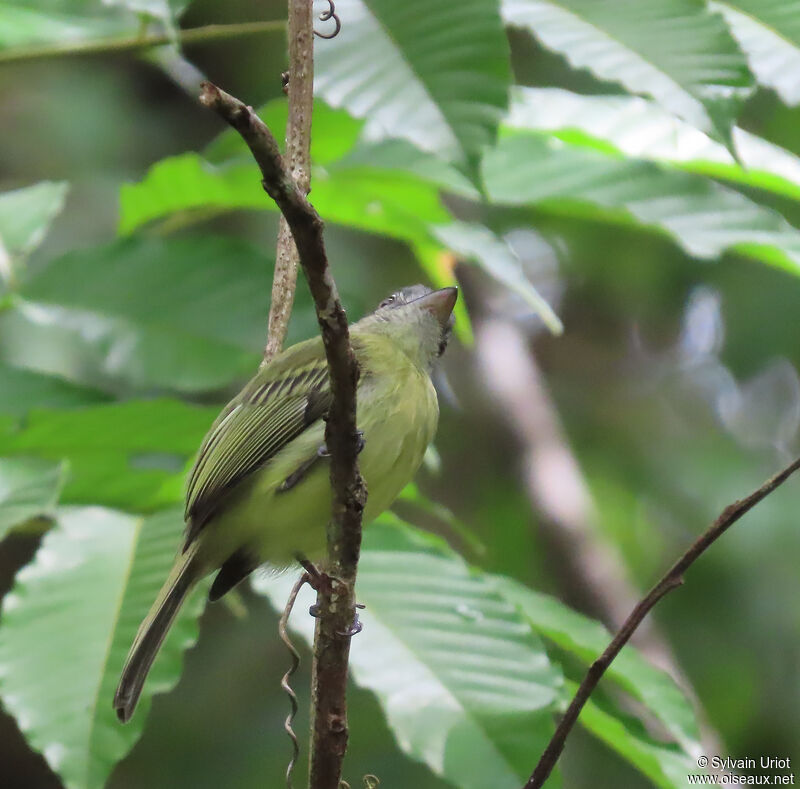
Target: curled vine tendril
pixel 370 782
pixel 330 13
pixel 287 688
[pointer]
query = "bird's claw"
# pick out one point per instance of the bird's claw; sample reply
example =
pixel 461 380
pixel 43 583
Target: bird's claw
pixel 357 625
pixel 353 630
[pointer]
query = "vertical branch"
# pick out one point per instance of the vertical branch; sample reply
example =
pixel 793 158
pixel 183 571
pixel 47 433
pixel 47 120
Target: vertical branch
pixel 298 158
pixel 300 90
pixel 335 599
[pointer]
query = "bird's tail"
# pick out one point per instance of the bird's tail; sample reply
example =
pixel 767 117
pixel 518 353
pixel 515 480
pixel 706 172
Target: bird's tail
pixel 182 578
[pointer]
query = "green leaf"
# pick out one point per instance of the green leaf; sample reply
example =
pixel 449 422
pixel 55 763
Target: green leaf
pixel 675 51
pixel 43 22
pixel 395 204
pixel 496 258
pixel 769 33
pixel 22 391
pixel 65 630
pixel 181 314
pixel 665 765
pixel 29 488
pixel 166 11
pixel 187 183
pixel 587 639
pixel 25 216
pixel 389 188
pixel 129 455
pixel 412 495
pixel 641 129
pixel 71 22
pixel 439 80
pixel 333 133
pixel 401 155
pixel 706 219
pixel 466 686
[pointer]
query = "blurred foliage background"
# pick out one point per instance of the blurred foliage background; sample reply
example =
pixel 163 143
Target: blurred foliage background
pixel 672 391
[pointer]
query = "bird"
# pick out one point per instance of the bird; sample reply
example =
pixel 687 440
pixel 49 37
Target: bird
pixel 259 490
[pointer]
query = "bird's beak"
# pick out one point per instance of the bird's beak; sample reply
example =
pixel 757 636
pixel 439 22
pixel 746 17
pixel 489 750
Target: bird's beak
pixel 440 303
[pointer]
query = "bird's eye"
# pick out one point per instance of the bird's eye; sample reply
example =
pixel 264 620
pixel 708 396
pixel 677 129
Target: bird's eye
pixel 387 301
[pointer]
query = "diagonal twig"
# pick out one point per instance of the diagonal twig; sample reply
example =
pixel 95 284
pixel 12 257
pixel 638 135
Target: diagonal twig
pixel 588 566
pixel 336 601
pixel 671 580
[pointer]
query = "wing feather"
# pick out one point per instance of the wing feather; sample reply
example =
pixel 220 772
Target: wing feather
pixel 281 402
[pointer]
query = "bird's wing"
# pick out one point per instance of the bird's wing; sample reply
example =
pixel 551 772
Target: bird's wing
pixel 281 402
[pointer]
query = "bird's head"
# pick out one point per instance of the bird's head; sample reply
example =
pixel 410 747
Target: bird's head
pixel 418 319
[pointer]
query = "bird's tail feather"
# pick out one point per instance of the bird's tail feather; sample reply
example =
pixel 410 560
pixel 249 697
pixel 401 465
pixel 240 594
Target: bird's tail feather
pixel 182 578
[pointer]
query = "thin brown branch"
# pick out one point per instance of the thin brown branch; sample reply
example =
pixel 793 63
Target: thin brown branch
pixel 298 145
pixel 336 601
pixel 671 580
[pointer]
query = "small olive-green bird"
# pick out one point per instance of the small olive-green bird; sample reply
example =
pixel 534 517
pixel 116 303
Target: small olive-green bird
pixel 259 491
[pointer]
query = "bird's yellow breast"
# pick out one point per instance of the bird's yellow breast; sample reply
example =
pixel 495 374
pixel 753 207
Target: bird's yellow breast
pixel 397 414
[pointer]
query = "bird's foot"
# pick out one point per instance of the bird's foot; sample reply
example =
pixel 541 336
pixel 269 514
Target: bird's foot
pixel 320 581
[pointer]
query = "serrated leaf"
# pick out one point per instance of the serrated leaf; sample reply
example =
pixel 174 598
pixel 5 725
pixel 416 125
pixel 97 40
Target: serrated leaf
pixel 675 51
pixel 466 686
pixel 66 627
pixel 665 765
pixel 130 455
pixel 769 33
pixel 437 79
pixel 496 258
pixel 705 218
pixel 29 488
pixel 641 129
pixel 179 314
pixel 587 639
